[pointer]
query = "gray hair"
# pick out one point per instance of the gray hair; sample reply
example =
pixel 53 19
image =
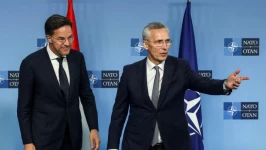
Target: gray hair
pixel 150 26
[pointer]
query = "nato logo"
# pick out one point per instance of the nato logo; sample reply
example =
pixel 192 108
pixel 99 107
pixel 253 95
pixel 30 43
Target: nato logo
pixel 206 73
pixel 241 46
pixel 193 110
pixel 241 110
pixel 41 43
pixel 104 78
pixel 9 79
pixel 137 48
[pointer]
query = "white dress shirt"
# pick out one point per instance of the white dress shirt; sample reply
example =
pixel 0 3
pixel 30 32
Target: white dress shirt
pixel 55 64
pixel 151 72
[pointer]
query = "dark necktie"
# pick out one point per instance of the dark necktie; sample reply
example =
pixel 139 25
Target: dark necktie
pixel 155 98
pixel 63 78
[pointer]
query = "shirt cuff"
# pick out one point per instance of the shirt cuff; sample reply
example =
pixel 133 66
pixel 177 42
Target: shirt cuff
pixel 227 91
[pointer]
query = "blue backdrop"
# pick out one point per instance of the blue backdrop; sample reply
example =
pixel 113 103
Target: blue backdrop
pixel 107 30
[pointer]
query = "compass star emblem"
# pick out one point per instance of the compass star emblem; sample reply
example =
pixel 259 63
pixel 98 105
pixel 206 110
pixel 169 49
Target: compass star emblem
pixel 232 110
pixel 139 47
pixel 93 79
pixel 232 47
pixel 2 79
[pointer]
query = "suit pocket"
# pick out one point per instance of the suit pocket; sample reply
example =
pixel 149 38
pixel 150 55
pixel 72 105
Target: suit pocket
pixel 40 120
pixel 181 123
pixel 41 123
pixel 132 130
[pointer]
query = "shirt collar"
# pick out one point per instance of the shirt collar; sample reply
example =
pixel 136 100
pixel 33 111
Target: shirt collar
pixel 51 53
pixel 151 65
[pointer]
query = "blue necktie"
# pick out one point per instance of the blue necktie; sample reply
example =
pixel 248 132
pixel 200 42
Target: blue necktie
pixel 63 78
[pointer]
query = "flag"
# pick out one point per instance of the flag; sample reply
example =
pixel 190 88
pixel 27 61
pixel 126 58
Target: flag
pixel 187 51
pixel 71 17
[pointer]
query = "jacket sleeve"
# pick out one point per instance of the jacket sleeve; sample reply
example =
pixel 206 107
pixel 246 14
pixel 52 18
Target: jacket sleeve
pixel 25 100
pixel 120 111
pixel 203 84
pixel 87 97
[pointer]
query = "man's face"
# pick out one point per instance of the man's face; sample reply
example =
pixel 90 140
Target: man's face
pixel 61 41
pixel 158 45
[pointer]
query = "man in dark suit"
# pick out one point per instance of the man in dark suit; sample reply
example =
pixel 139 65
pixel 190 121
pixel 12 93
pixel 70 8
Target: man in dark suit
pixel 52 80
pixel 154 89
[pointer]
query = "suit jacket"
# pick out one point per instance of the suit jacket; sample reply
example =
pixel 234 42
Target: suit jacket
pixel 132 92
pixel 42 110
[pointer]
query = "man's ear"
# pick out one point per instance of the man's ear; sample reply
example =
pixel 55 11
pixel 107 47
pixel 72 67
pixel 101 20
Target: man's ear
pixel 145 45
pixel 49 38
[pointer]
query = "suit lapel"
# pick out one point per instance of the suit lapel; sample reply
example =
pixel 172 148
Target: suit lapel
pixel 71 66
pixel 142 75
pixel 167 78
pixel 51 73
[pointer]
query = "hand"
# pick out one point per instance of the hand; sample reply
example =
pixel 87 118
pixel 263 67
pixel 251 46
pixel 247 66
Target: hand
pixel 29 146
pixel 94 140
pixel 233 81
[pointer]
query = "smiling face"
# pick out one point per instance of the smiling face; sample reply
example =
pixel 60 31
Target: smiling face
pixel 58 31
pixel 157 45
pixel 60 41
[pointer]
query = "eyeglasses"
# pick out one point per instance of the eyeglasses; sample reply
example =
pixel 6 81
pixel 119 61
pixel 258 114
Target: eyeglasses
pixel 160 43
pixel 63 40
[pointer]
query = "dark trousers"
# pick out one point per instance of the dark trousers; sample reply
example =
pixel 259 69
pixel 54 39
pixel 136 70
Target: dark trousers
pixel 67 145
pixel 158 146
